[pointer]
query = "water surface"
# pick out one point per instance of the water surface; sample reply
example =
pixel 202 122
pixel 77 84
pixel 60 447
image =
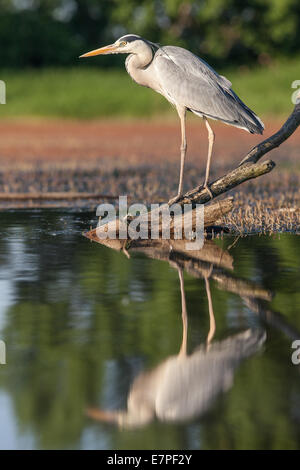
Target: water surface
pixel 86 328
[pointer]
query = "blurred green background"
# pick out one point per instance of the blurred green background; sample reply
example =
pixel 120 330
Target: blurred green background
pixel 256 43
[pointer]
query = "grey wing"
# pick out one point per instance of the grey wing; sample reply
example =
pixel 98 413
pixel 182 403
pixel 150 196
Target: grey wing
pixel 188 81
pixel 190 63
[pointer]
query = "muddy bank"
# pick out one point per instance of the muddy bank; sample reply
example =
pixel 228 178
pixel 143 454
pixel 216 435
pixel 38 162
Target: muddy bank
pixel 140 159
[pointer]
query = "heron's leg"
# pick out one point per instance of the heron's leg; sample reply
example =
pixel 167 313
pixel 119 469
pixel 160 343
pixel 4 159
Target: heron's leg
pixel 183 147
pixel 183 348
pixel 211 139
pixel 212 321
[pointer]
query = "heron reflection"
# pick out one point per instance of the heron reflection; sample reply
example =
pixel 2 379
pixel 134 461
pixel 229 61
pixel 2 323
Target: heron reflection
pixel 184 386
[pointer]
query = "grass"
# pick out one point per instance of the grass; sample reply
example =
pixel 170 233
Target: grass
pixel 263 205
pixel 90 93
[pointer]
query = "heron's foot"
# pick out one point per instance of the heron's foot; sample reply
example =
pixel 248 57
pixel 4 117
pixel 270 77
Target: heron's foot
pixel 127 218
pixel 205 186
pixel 175 199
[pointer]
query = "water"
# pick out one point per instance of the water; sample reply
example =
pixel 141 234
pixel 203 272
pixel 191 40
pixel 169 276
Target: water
pixel 85 328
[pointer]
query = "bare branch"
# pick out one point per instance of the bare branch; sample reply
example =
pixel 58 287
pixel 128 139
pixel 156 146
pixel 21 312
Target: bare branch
pixel 275 140
pixel 235 177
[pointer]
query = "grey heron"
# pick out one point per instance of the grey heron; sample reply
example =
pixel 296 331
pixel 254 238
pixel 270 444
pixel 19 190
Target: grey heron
pixel 188 83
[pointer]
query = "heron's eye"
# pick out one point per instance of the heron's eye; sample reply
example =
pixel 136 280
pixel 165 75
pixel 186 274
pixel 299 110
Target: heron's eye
pixel 123 43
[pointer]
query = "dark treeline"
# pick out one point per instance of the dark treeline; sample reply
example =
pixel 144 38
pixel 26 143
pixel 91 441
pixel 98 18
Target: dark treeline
pixel 37 33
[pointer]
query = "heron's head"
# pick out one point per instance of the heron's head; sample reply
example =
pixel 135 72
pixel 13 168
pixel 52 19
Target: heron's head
pixel 128 44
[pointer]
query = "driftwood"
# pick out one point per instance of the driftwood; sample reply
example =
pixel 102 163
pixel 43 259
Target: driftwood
pixel 212 213
pixel 248 168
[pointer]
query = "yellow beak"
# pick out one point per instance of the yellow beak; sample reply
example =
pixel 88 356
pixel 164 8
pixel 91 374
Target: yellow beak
pixel 101 415
pixel 103 50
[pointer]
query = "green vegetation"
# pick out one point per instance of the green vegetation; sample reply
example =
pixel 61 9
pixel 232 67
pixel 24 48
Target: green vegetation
pixel 83 93
pixel 51 32
pixel 254 42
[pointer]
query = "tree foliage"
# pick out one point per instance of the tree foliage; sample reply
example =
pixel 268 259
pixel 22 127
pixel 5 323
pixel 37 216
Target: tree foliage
pixel 53 32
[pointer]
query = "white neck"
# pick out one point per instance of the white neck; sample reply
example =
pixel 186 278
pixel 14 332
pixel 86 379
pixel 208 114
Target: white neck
pixel 140 58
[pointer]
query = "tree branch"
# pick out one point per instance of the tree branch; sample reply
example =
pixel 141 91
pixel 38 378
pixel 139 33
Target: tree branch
pixel 275 140
pixel 235 177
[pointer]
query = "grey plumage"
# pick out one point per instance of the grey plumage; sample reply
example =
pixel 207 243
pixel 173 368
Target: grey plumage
pixel 188 83
pixel 193 83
